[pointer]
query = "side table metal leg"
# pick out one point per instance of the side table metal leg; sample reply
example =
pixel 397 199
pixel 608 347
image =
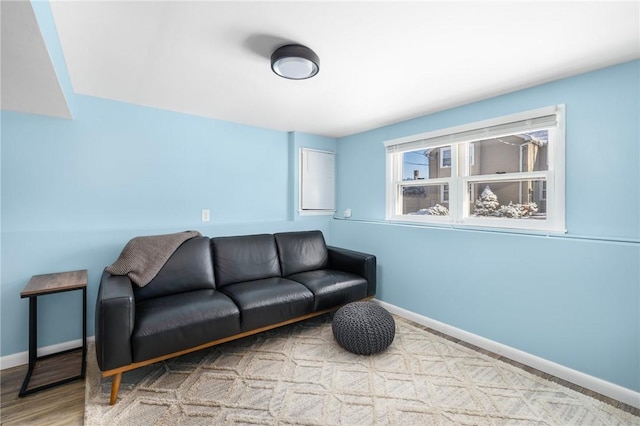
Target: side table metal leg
pixel 84 332
pixel 33 331
pixel 33 342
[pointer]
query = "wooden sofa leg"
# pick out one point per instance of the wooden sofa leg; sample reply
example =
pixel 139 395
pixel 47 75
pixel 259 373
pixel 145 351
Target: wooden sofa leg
pixel 115 387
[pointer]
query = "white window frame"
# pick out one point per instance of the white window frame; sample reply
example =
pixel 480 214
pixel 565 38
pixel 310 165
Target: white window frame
pixel 551 118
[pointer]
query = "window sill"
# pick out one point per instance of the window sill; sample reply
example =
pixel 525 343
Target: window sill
pixel 509 226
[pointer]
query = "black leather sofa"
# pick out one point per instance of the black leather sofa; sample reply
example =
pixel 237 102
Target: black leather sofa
pixel 213 290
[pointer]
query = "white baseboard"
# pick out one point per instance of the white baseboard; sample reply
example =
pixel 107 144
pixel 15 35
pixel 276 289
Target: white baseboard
pixel 595 384
pixel 22 358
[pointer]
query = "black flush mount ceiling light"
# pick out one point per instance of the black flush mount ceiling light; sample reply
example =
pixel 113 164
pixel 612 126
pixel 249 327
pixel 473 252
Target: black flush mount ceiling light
pixel 295 62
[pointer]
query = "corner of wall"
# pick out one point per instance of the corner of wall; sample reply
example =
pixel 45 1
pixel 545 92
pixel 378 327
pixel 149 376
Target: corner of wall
pixel 44 16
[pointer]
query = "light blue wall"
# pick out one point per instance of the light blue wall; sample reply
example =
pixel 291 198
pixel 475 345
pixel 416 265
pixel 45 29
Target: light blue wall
pixel 136 166
pixel 574 300
pixel 75 191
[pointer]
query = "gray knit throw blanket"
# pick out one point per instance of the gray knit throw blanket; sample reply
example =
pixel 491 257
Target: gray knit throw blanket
pixel 143 257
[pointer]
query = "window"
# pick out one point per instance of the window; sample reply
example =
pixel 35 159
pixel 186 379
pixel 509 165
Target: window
pixel 506 173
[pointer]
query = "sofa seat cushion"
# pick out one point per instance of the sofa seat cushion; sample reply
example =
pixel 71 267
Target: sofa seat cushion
pixel 269 301
pixel 172 323
pixel 332 288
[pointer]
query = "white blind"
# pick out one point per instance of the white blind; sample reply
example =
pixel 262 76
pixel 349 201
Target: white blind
pixel 469 133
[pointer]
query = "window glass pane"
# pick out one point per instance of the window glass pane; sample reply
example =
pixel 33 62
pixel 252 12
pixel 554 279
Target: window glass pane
pixel 524 152
pixel 519 199
pixel 415 165
pixel 425 200
pixel 429 163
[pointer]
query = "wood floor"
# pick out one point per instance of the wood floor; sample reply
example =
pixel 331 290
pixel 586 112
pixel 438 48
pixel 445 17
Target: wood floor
pixel 61 405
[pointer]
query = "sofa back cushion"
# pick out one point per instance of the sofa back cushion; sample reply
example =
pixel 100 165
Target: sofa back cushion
pixel 301 251
pixel 188 269
pixel 244 258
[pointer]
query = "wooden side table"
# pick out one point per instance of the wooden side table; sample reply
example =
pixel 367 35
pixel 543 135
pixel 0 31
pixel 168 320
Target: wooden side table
pixel 40 285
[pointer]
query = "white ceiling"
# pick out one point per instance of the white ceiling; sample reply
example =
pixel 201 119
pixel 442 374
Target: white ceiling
pixel 381 62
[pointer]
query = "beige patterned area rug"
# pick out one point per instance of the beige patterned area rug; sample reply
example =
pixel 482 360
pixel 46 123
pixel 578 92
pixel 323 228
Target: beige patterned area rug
pixel 299 375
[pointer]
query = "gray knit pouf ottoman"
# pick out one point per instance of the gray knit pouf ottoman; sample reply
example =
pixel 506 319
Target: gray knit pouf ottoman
pixel 363 328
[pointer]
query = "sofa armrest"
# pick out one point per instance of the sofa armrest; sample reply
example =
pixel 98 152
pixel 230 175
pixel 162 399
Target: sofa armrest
pixel 355 262
pixel 115 318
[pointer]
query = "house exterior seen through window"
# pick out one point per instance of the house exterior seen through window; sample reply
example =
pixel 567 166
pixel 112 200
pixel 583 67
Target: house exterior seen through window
pixel 506 172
